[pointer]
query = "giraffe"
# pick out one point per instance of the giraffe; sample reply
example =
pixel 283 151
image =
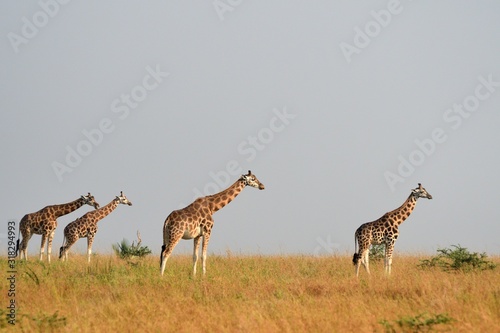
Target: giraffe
pixel 44 222
pixel 384 231
pixel 86 226
pixel 195 221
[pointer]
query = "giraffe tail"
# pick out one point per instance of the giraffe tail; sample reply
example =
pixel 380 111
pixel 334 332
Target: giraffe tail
pixel 163 247
pixel 17 243
pixel 356 256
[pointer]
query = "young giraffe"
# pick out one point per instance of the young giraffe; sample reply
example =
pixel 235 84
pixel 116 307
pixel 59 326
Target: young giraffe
pixel 86 226
pixel 44 222
pixel 195 221
pixel 384 231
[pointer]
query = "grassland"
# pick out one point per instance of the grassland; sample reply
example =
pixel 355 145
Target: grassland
pixel 245 294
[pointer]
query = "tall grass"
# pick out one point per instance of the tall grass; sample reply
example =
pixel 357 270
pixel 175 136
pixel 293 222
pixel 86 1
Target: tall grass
pixel 248 294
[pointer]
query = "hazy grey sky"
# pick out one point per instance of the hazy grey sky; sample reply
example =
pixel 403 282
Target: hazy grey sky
pixel 340 108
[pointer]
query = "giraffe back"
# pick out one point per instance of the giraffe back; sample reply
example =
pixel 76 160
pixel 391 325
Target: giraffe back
pixel 39 221
pixel 377 232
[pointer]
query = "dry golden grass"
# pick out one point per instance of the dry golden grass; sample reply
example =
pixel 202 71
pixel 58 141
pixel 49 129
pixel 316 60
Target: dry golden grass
pixel 246 294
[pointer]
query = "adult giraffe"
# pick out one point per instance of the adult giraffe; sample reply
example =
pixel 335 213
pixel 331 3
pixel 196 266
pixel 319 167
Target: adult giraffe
pixel 384 231
pixel 86 226
pixel 195 221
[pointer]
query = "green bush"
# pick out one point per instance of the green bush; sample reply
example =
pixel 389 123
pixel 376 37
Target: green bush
pixel 126 250
pixel 420 323
pixel 458 259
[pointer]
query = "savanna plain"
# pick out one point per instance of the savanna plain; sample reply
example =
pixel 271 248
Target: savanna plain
pixel 251 293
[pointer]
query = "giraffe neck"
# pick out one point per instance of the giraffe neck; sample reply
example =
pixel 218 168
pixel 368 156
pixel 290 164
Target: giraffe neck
pixel 219 200
pixel 102 212
pixel 64 209
pixel 400 214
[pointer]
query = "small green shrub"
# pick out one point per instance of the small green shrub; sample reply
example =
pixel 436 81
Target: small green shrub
pixel 126 250
pixel 377 252
pixel 46 322
pixel 420 323
pixel 458 259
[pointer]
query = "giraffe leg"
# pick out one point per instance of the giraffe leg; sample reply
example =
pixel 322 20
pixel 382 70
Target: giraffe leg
pixel 24 245
pixel 365 260
pixel 389 265
pixel 357 261
pixel 362 258
pixel 42 246
pixel 196 247
pixel 49 244
pixel 206 238
pixel 63 253
pixel 166 251
pixel 358 265
pixel 66 252
pixel 389 248
pixel 90 240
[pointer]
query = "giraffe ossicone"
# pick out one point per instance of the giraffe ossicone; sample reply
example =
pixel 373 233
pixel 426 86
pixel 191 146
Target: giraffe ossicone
pixel 86 226
pixel 44 222
pixel 384 231
pixel 195 221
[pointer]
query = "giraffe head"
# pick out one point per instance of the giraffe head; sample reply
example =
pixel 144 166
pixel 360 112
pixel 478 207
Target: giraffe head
pixel 251 180
pixel 122 199
pixel 89 200
pixel 420 192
